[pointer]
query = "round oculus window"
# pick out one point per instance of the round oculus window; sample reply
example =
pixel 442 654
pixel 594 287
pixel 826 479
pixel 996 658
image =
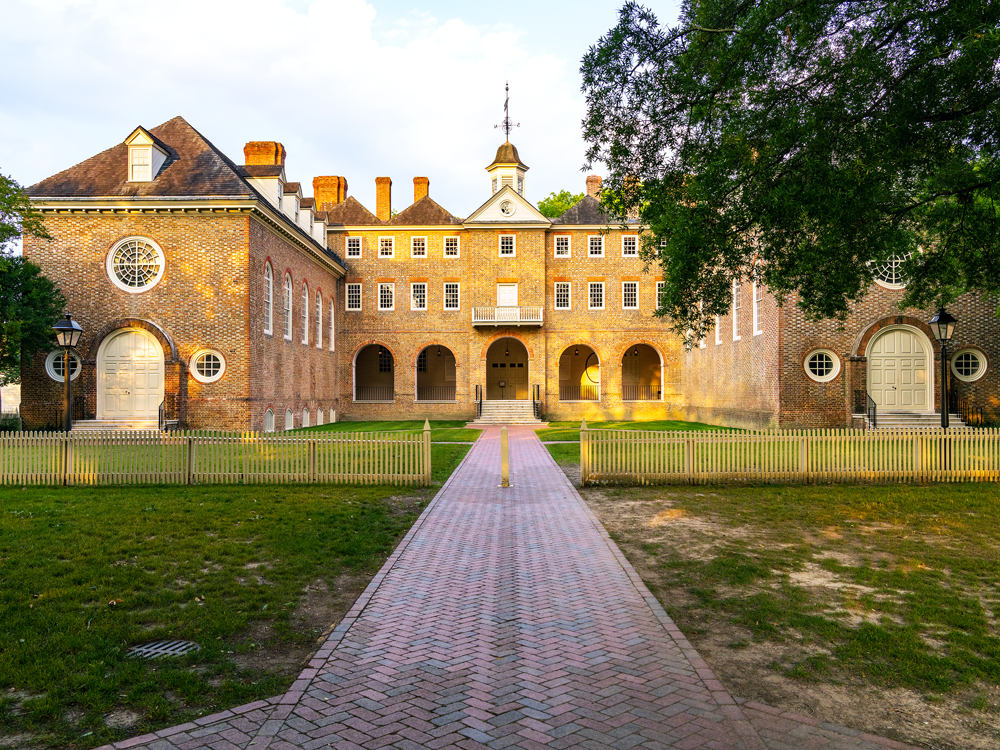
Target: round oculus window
pixel 207 366
pixel 822 365
pixel 890 273
pixel 55 365
pixel 135 264
pixel 507 208
pixel 968 365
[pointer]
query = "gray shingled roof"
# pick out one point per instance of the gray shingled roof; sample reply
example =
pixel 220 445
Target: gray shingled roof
pixel 587 211
pixel 424 211
pixel 352 214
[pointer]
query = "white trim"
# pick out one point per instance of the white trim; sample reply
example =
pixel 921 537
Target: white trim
pixel 50 369
pixel 822 378
pixel 516 293
pixel 590 238
pixel 444 303
pixel 193 366
pixel 392 291
pixel 347 247
pixel 269 413
pixel 391 246
pixel 458 246
pixel 305 416
pixel 660 286
pixel 319 319
pixel 414 284
pixel 109 265
pixel 333 324
pixel 306 302
pixel 590 299
pixel 983 364
pixel 288 290
pixel 636 253
pixel 636 305
pixel 928 347
pixel 569 246
pixel 758 311
pixel 555 295
pixel 413 241
pixel 100 359
pixel 268 298
pixel 737 310
pixel 500 252
pixel 718 332
pixel 347 297
pixel 289 419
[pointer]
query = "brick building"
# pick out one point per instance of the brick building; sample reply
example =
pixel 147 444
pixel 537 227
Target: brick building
pixel 265 309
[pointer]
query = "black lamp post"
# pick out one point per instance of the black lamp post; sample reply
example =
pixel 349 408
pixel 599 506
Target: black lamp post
pixel 943 326
pixel 68 333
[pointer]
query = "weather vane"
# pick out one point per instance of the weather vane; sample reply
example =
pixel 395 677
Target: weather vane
pixel 506 125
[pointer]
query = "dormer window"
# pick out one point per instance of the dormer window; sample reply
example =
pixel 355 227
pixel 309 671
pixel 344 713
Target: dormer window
pixel 145 157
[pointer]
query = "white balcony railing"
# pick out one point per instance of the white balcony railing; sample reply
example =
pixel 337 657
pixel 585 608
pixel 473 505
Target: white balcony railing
pixel 507 316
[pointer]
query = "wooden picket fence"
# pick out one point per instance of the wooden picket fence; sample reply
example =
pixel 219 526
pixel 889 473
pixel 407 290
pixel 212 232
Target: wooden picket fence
pixel 205 457
pixel 790 456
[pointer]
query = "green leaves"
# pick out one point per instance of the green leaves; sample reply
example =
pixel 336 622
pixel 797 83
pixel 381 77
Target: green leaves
pixel 558 203
pixel 801 144
pixel 29 305
pixel 17 215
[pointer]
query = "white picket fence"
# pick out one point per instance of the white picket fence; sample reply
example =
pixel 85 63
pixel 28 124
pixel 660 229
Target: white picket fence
pixel 202 457
pixel 790 456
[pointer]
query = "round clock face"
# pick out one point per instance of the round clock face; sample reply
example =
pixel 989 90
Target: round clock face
pixel 507 208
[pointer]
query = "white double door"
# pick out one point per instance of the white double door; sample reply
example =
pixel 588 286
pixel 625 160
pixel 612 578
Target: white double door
pixel 897 370
pixel 130 377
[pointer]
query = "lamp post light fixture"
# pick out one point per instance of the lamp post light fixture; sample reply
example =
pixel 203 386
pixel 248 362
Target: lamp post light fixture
pixel 68 333
pixel 943 326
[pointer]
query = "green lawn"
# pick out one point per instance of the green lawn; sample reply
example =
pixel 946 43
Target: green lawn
pixel 228 567
pixel 571 430
pixel 443 431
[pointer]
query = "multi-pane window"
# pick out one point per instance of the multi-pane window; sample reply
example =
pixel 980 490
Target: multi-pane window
pixel 595 246
pixel 333 326
pixel 354 296
pixel 353 247
pixel 289 419
pixel 506 244
pixel 562 246
pixel 288 307
pixel 141 164
pixel 758 309
pixel 451 247
pixel 268 299
pixel 422 361
pixel 595 295
pixel 563 298
pixel 384 360
pixel 701 309
pixel 718 332
pixel 319 320
pixel 418 247
pixel 660 286
pixel 269 420
pixel 451 295
pixel 305 313
pixel 736 310
pixel 418 296
pixel 630 245
pixel 387 296
pixel 630 295
pixel 386 247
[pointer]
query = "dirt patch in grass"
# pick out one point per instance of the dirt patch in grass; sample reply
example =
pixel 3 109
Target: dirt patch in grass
pixel 873 608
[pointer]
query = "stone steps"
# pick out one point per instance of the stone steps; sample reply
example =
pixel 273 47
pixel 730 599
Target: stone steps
pixel 90 425
pixel 914 419
pixel 507 412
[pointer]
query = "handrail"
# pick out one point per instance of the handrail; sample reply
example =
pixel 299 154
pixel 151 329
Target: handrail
pixel 871 410
pixel 536 401
pixel 161 417
pixel 971 414
pixel 507 315
pixel 479 401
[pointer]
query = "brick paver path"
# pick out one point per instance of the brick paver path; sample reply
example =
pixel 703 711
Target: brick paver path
pixel 506 618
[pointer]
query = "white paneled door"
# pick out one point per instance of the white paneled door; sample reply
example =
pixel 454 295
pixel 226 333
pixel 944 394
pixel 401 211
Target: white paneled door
pixel 897 370
pixel 130 377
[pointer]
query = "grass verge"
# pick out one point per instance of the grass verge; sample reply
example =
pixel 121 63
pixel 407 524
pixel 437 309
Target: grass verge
pixel 442 431
pixel 254 574
pixel 571 430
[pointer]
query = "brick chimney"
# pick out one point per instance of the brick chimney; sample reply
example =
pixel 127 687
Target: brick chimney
pixel 383 198
pixel 329 191
pixel 264 152
pixel 421 188
pixel 594 186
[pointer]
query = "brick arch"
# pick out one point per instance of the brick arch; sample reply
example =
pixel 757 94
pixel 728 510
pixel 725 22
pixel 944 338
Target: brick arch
pixel 867 334
pixel 166 341
pixel 373 342
pixel 600 357
pixel 652 345
pixel 435 342
pixel 496 337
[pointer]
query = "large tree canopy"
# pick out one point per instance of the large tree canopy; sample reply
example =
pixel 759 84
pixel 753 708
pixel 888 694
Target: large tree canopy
pixel 558 203
pixel 803 143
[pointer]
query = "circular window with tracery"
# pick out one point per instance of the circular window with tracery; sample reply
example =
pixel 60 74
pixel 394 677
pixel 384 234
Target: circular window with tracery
pixel 207 366
pixel 969 365
pixel 890 273
pixel 822 365
pixel 135 264
pixel 55 365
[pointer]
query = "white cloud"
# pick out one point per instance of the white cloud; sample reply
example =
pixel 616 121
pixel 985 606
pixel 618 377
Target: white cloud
pixel 413 95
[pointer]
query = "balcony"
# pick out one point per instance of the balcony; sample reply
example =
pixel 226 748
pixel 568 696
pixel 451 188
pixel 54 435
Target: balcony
pixel 507 316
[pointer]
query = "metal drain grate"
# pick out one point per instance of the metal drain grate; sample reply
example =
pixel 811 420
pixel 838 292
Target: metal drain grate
pixel 163 649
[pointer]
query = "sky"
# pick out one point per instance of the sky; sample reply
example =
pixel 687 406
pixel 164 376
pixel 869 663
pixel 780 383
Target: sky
pixel 395 88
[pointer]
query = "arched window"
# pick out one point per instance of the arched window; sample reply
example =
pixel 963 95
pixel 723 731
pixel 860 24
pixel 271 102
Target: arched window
pixel 269 420
pixel 268 302
pixel 319 320
pixel 305 313
pixel 333 345
pixel 305 417
pixel 289 419
pixel 288 307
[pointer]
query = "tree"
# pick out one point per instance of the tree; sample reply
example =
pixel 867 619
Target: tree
pixel 558 203
pixel 29 302
pixel 802 144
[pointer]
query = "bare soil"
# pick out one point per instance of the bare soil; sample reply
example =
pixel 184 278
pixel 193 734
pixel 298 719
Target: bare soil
pixel 751 668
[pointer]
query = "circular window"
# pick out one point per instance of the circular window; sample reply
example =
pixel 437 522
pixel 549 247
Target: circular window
pixel 507 208
pixel 55 365
pixel 969 365
pixel 135 264
pixel 207 366
pixel 889 274
pixel 822 365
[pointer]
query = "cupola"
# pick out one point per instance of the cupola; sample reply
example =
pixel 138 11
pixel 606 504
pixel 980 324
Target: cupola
pixel 507 169
pixel 145 156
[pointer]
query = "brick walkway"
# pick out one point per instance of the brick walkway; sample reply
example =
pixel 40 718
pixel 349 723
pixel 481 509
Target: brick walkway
pixel 506 618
